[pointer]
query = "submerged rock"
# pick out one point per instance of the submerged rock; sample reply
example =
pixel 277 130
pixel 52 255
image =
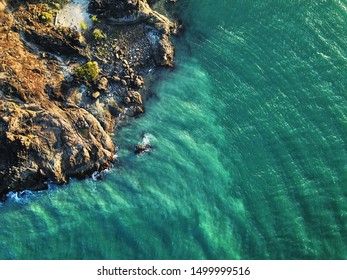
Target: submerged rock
pixel 140 149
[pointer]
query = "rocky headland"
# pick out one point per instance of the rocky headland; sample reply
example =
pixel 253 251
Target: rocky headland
pixel 63 89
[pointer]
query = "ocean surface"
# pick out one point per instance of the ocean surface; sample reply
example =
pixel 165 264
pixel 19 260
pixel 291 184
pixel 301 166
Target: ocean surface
pixel 249 149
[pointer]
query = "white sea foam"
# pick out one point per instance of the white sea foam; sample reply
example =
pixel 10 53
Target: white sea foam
pixel 96 176
pixel 146 139
pixel 22 197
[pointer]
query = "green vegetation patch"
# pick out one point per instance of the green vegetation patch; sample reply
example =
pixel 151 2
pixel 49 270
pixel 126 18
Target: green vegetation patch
pixel 88 71
pixel 83 26
pixel 98 34
pixel 46 17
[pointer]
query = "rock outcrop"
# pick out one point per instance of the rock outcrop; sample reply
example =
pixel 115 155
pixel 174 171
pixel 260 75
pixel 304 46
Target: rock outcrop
pixel 56 122
pixel 124 12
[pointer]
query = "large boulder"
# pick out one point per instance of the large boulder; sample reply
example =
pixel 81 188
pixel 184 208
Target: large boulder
pixel 49 143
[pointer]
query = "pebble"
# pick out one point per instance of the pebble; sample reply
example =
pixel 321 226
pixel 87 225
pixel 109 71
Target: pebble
pixel 138 82
pixel 96 94
pixel 116 79
pixel 126 100
pixel 103 83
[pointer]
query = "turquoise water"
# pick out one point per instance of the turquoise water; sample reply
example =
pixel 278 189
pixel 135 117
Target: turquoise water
pixel 249 160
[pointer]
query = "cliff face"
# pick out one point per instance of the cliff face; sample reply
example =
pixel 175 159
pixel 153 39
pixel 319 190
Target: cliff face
pixel 56 116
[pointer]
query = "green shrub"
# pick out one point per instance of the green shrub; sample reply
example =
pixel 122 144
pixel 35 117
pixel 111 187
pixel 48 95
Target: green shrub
pixel 98 34
pixel 46 17
pixel 83 26
pixel 88 71
pixel 95 19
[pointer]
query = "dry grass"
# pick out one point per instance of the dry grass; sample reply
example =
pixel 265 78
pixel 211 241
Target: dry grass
pixel 22 69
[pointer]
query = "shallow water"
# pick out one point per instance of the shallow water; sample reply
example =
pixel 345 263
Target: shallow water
pixel 249 150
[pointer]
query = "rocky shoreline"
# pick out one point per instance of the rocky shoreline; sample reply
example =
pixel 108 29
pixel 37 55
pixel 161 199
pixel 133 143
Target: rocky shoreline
pixel 64 89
